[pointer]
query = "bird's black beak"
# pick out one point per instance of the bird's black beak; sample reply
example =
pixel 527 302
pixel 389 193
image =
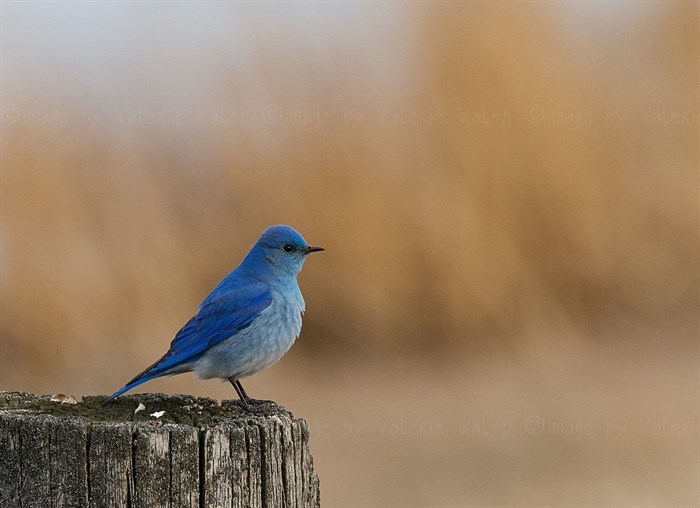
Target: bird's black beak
pixel 310 249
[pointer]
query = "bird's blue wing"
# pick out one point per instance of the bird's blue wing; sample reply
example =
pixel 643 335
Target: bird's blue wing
pixel 221 315
pixel 218 319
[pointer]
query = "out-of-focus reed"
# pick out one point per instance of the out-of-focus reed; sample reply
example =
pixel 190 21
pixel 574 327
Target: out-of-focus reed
pixel 475 173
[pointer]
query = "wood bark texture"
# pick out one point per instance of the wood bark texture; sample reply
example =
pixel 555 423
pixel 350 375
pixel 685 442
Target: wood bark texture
pixel 100 453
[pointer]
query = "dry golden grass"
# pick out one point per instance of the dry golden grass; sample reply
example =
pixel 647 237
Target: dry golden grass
pixel 500 197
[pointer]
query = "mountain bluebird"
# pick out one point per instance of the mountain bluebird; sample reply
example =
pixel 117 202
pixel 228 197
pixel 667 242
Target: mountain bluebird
pixel 249 320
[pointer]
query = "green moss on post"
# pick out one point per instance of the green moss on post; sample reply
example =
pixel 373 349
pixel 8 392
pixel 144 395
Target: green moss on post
pixel 196 453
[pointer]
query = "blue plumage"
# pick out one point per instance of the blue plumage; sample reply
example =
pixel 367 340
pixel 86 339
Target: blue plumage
pixel 248 321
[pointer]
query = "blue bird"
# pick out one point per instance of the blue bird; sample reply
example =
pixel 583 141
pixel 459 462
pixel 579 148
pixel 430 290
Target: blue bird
pixel 249 320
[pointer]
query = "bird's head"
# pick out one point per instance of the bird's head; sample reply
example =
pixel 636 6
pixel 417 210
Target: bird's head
pixel 282 249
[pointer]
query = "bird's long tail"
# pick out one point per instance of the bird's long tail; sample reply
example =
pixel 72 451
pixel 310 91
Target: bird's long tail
pixel 129 386
pixel 154 371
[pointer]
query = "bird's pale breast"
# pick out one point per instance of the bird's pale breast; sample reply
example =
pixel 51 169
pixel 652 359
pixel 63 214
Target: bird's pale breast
pixel 259 345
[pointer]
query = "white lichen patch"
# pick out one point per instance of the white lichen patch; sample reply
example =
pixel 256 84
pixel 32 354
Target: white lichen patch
pixel 63 398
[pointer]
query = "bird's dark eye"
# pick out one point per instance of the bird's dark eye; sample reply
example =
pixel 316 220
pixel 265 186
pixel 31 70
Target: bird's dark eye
pixel 288 248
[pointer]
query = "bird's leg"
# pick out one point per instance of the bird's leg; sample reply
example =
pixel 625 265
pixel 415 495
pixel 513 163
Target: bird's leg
pixel 240 391
pixel 240 387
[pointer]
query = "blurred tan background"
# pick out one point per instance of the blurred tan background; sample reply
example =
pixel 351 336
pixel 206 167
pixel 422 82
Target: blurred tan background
pixel 507 311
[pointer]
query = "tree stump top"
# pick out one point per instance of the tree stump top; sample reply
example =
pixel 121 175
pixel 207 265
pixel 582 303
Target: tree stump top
pixel 178 409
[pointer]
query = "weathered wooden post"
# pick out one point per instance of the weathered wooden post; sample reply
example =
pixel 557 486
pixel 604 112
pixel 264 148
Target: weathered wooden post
pixel 177 451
